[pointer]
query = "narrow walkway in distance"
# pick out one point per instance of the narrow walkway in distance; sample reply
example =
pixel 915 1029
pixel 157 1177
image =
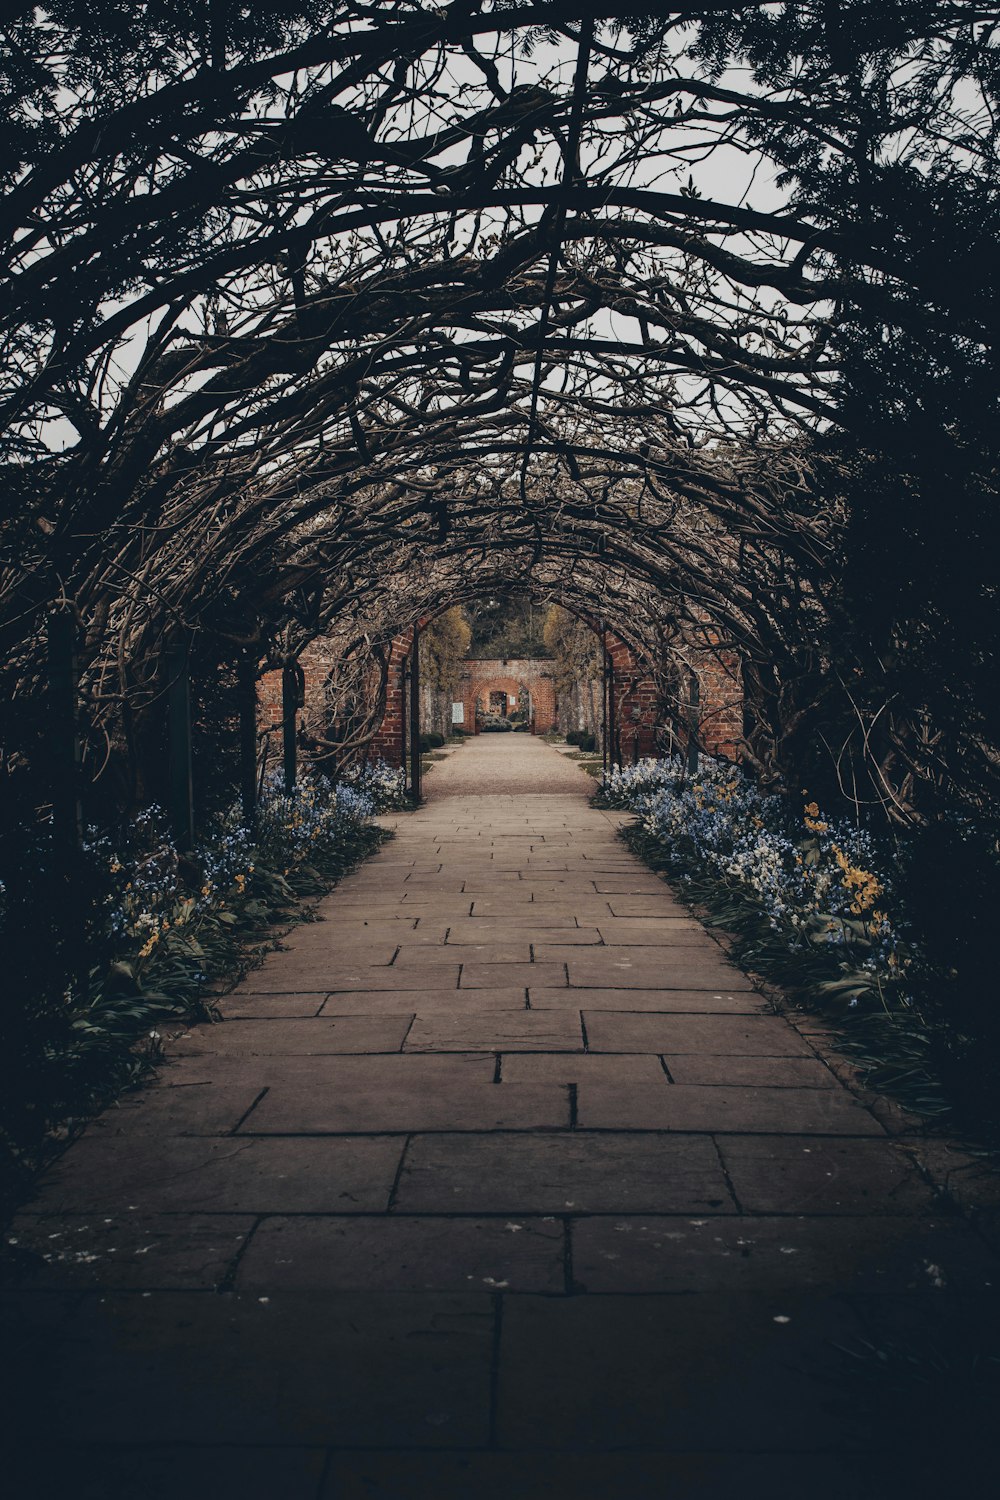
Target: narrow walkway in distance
pixel 500 1180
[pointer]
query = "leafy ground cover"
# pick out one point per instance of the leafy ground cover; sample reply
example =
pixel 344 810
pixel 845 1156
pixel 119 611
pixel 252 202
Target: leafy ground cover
pixel 818 905
pixel 156 929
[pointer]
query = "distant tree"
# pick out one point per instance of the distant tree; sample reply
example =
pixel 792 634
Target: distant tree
pixel 577 664
pixel 444 645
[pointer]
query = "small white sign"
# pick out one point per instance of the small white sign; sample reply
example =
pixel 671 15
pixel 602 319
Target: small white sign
pixel 458 713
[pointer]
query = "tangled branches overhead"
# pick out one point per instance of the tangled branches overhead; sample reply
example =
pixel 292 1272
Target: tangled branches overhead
pixel 318 314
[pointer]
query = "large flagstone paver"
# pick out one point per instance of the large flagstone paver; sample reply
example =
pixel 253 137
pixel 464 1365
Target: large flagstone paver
pixel 730 1110
pixel 502 1031
pixel 463 1106
pixel 552 1174
pixel 496 1179
pixel 648 1254
pixel 618 1031
pixel 144 1173
pixel 707 1001
pixel 407 1254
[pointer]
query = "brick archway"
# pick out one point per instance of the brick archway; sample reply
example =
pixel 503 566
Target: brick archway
pixel 529 674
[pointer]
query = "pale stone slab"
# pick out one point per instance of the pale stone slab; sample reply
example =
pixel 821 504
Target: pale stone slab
pixel 696 953
pixel 575 1067
pixel 644 906
pixel 772 1174
pixel 202 1109
pixel 558 1174
pixel 406 1255
pixel 436 1002
pixel 489 929
pixel 134 1250
pixel 327 933
pixel 488 953
pixel 766 1036
pixel 751 1072
pixel 254 1007
pixel 312 1037
pixel 430 976
pixel 386 1070
pixel 511 902
pixel 779 1255
pixel 490 975
pixel 730 1110
pixel 184 1174
pixel 500 1032
pixel 632 885
pixel 285 1110
pixel 704 1002
pixel 654 932
pixel 636 968
pixel 289 973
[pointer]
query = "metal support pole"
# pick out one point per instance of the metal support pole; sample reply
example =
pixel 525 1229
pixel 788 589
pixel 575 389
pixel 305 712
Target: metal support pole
pixel 415 764
pixel 64 744
pixel 291 702
pixel 181 780
pixel 247 689
pixel 605 749
pixel 694 723
pixel 402 713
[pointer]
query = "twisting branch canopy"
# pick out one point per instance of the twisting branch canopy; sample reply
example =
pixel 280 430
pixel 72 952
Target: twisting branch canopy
pixel 319 316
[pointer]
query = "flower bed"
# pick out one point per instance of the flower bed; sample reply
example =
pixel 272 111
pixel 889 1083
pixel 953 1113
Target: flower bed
pixel 157 926
pixel 382 784
pixel 811 899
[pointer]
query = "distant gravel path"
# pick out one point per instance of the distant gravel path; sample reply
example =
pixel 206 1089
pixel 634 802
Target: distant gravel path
pixel 513 765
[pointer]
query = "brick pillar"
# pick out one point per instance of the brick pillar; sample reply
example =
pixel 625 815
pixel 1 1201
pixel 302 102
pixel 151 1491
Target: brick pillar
pixel 388 741
pixel 636 703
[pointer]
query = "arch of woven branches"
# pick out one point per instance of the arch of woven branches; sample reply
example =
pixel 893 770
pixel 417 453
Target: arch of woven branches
pixel 321 318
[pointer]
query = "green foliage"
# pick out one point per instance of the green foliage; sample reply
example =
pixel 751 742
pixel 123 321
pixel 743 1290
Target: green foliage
pixel 444 645
pixel 575 648
pixel 506 627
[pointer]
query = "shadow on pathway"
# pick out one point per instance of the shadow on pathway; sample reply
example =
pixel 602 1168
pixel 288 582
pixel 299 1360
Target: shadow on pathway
pixel 499 1181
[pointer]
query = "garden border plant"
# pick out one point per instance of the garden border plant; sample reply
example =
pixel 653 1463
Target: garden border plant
pixel 161 931
pixel 814 905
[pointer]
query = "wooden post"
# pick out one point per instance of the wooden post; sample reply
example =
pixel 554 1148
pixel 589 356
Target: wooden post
pixel 181 781
pixel 247 690
pixel 291 701
pixel 694 723
pixel 415 763
pixel 64 744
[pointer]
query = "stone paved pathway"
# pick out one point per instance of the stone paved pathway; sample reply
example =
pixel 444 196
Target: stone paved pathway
pixel 501 1180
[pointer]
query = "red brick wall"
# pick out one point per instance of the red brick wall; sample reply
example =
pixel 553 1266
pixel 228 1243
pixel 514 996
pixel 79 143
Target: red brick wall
pixel 480 678
pixel 637 708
